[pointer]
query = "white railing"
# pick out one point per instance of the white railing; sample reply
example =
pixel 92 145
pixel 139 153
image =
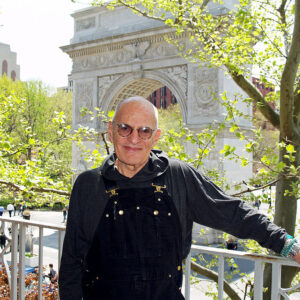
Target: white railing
pixel 18 229
pixel 17 242
pixel 259 261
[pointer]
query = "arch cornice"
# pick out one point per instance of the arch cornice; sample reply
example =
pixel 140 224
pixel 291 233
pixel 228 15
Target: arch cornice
pixel 160 78
pixel 103 45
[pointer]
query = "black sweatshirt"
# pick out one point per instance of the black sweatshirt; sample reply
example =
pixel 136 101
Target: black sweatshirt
pixel 196 198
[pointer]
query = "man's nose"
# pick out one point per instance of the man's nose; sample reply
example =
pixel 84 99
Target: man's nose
pixel 134 137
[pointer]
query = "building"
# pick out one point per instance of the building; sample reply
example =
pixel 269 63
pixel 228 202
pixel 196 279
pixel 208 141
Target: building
pixel 162 98
pixel 8 62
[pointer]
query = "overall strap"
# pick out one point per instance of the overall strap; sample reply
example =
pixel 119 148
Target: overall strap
pixel 159 183
pixel 110 187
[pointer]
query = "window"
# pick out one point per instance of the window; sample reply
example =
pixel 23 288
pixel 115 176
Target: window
pixel 4 67
pixel 13 75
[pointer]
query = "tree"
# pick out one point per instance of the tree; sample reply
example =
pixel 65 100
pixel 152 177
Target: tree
pixel 34 141
pixel 264 34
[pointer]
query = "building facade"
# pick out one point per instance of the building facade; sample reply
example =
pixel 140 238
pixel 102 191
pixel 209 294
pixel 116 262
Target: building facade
pixel 8 62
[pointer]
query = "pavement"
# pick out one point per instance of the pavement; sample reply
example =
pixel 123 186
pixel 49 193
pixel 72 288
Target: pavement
pixel 50 236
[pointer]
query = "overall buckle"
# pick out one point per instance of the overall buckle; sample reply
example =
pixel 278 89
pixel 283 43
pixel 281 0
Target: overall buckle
pixel 158 188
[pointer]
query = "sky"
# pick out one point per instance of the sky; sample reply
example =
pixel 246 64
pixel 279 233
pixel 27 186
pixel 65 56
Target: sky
pixel 35 29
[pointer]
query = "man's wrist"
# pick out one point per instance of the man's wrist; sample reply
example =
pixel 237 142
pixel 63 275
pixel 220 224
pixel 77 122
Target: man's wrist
pixel 291 247
pixel 294 250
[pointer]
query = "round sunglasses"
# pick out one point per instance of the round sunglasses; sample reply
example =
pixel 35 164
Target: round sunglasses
pixel 125 130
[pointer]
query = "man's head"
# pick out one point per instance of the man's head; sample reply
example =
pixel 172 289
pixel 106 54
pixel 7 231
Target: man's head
pixel 134 132
pixel 51 266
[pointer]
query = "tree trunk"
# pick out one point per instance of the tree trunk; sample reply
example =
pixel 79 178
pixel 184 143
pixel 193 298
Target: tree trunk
pixel 285 216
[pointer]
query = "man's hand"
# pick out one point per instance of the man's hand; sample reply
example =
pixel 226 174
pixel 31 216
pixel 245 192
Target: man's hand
pixel 297 257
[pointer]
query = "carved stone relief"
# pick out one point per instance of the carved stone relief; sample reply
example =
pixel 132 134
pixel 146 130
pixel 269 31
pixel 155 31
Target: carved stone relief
pixel 204 89
pixel 137 50
pixel 161 49
pixel 85 24
pixel 179 75
pixel 103 84
pixel 84 99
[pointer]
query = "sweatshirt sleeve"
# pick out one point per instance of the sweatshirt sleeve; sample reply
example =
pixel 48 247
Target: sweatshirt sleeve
pixel 70 272
pixel 211 207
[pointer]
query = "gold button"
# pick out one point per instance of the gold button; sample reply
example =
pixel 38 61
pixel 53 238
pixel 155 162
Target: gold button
pixel 158 199
pixel 179 268
pixel 179 288
pixel 156 212
pixel 170 275
pixel 116 202
pixel 97 278
pixel 107 215
pixel 169 214
pixel 137 207
pixel 121 212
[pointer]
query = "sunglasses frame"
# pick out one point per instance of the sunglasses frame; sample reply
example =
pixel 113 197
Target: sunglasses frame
pixel 132 129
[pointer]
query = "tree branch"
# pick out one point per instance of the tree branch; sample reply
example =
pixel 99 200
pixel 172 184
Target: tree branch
pixel 297 105
pixel 141 12
pixel 105 143
pixel 248 190
pixel 214 276
pixel 257 97
pixel 36 189
pixel 287 127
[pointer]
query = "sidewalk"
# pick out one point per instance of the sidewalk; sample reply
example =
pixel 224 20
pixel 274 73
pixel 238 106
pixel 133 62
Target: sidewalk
pixel 50 237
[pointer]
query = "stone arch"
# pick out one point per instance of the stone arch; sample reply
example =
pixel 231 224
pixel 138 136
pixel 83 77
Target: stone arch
pixel 143 85
pixel 133 57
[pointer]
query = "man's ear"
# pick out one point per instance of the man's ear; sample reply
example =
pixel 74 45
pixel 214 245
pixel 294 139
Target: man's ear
pixel 156 136
pixel 109 131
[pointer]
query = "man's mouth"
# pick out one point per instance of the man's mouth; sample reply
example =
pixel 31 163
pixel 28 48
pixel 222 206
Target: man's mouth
pixel 132 149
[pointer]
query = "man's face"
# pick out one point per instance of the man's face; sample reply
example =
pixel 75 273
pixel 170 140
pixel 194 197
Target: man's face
pixel 132 150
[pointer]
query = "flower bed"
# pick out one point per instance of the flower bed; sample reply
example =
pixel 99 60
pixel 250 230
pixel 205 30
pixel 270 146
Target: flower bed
pixel 50 290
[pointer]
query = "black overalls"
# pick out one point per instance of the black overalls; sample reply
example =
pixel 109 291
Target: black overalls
pixel 136 250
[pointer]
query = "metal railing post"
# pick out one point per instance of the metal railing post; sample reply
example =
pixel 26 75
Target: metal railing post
pixel 14 261
pixel 40 282
pixel 258 279
pixel 22 261
pixel 187 277
pixel 221 277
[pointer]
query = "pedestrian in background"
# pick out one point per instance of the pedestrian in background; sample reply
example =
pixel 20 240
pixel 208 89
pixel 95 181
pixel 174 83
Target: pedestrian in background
pixel 2 240
pixel 10 209
pixel 64 210
pixel 1 210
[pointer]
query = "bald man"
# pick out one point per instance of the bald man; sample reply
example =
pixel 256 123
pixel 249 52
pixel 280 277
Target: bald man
pixel 130 220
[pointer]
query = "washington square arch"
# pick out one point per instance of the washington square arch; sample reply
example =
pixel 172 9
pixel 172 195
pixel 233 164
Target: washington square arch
pixel 117 54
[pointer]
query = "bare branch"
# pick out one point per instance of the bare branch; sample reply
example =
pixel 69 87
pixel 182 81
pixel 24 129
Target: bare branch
pixel 204 4
pixel 141 12
pixel 105 142
pixel 214 276
pixel 257 97
pixel 249 190
pixel 35 189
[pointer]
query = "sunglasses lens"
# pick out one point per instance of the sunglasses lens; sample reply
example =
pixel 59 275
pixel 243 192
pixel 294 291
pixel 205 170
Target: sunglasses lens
pixel 145 132
pixel 124 130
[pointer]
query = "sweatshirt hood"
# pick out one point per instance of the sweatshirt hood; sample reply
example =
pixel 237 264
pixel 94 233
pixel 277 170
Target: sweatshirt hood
pixel 157 164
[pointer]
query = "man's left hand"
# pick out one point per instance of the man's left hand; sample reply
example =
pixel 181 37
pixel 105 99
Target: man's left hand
pixel 297 257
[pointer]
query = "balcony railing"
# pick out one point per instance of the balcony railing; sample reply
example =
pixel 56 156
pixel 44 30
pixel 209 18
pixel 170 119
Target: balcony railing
pixel 17 287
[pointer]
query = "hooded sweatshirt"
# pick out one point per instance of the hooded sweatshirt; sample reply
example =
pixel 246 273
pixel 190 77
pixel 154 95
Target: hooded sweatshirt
pixel 196 198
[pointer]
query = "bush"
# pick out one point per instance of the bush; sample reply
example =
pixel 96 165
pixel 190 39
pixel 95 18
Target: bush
pixel 57 206
pixel 5 201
